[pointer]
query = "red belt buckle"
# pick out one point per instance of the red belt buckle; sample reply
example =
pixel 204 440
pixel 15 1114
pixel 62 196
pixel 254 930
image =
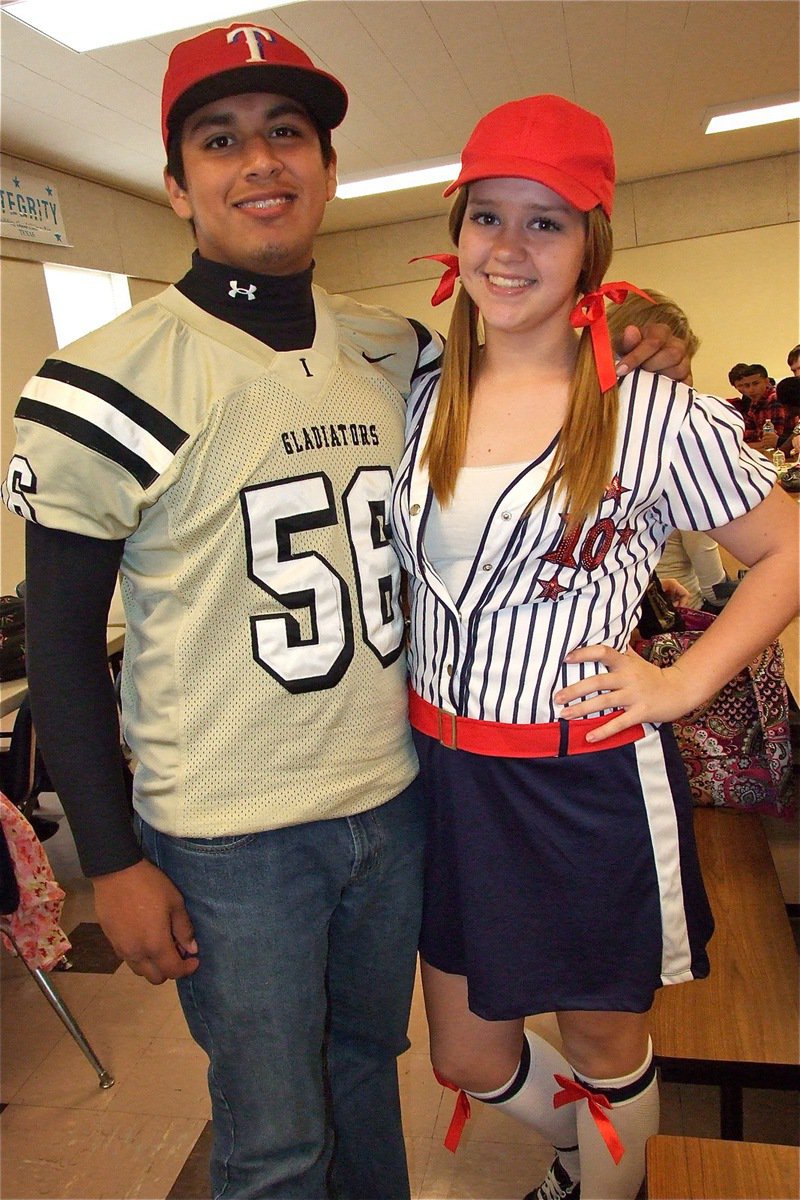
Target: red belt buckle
pixel 441 727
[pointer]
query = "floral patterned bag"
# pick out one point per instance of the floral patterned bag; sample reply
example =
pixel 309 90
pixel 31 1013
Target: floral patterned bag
pixel 736 746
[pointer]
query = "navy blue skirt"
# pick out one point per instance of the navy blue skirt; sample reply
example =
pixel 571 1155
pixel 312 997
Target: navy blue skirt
pixel 565 883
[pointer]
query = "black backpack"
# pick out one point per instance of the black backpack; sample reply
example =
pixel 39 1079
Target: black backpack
pixel 12 638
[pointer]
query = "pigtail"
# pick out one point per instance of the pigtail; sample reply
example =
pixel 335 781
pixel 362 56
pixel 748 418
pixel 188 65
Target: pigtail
pixel 447 440
pixel 581 467
pixel 582 463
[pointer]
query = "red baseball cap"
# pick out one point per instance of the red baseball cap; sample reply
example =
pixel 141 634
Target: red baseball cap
pixel 546 138
pixel 245 58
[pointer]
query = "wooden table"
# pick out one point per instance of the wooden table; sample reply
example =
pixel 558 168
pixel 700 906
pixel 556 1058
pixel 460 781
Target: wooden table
pixel 690 1168
pixel 790 641
pixel 741 1026
pixel 12 693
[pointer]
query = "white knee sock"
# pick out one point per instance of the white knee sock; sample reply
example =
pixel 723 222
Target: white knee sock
pixel 528 1096
pixel 634 1114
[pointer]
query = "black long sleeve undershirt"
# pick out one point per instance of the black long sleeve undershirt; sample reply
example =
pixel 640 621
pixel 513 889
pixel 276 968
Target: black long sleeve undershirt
pixel 69 581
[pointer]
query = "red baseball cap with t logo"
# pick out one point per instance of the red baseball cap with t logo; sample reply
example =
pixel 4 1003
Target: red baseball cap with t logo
pixel 245 58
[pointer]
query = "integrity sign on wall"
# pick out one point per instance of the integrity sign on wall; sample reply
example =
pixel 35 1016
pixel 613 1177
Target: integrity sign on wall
pixel 29 210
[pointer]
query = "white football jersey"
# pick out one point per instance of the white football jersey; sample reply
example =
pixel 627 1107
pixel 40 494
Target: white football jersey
pixel 264 679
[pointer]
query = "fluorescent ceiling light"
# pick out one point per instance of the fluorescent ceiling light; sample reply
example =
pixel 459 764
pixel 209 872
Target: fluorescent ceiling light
pixel 89 25
pixel 438 171
pixel 760 112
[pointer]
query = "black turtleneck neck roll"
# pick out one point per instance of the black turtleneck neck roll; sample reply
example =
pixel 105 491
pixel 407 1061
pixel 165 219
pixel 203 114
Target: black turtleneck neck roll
pixel 276 309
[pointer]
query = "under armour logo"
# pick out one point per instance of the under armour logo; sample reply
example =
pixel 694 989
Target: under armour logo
pixel 235 291
pixel 253 38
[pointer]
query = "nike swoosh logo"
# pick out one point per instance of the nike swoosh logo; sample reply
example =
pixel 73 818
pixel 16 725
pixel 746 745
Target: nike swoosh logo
pixel 380 357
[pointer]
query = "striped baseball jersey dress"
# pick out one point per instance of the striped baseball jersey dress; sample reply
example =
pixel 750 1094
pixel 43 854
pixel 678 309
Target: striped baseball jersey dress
pixel 569 882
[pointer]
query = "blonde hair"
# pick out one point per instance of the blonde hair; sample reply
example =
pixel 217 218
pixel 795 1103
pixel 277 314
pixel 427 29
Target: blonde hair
pixel 635 310
pixel 581 466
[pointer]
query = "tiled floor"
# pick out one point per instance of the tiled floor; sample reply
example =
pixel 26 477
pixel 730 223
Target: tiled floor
pixel 63 1137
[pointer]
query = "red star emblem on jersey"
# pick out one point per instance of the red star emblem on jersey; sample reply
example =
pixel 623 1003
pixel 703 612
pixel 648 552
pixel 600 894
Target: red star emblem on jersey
pixel 614 490
pixel 551 588
pixel 625 534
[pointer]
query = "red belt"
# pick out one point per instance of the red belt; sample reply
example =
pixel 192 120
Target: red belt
pixel 549 740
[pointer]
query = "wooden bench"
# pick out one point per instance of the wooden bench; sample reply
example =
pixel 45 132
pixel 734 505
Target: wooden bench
pixel 692 1167
pixel 738 1028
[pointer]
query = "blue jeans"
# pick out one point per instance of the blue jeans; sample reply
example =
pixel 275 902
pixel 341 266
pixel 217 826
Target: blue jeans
pixel 307 938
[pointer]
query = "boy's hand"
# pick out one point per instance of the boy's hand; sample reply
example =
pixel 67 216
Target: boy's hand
pixel 655 348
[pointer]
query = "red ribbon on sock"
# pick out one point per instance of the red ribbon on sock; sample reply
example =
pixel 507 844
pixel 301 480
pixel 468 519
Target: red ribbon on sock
pixel 591 310
pixel 461 1114
pixel 448 281
pixel 572 1091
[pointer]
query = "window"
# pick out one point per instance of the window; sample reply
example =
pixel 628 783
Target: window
pixel 82 300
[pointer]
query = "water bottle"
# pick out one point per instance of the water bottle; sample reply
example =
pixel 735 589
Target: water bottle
pixel 767 428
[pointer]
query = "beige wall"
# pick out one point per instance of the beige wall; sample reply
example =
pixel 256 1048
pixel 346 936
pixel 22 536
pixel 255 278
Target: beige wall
pixel 109 230
pixel 740 291
pixel 723 242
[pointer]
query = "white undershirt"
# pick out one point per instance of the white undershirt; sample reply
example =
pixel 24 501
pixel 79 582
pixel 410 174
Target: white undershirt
pixel 453 534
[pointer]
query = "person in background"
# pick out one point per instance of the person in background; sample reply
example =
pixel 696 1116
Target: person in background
pixel 763 406
pixel 737 372
pixel 689 556
pixel 229 446
pixel 788 393
pixel 529 509
pixel 793 361
pixel 692 558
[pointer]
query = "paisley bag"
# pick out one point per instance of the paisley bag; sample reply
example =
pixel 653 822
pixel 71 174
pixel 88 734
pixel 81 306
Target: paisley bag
pixel 736 746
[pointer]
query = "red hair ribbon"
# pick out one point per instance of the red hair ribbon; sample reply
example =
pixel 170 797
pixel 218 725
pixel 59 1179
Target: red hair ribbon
pixel 591 310
pixel 573 1091
pixel 462 1110
pixel 448 281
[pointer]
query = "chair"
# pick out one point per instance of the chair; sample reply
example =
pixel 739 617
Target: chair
pixel 11 903
pixel 23 775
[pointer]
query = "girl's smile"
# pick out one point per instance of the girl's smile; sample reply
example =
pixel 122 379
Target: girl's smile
pixel 509 282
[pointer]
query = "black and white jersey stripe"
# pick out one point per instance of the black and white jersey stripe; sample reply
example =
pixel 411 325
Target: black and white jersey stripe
pixel 429 350
pixel 496 651
pixel 101 414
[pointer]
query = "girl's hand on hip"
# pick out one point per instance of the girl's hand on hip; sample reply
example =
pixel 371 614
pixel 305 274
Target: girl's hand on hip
pixel 642 691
